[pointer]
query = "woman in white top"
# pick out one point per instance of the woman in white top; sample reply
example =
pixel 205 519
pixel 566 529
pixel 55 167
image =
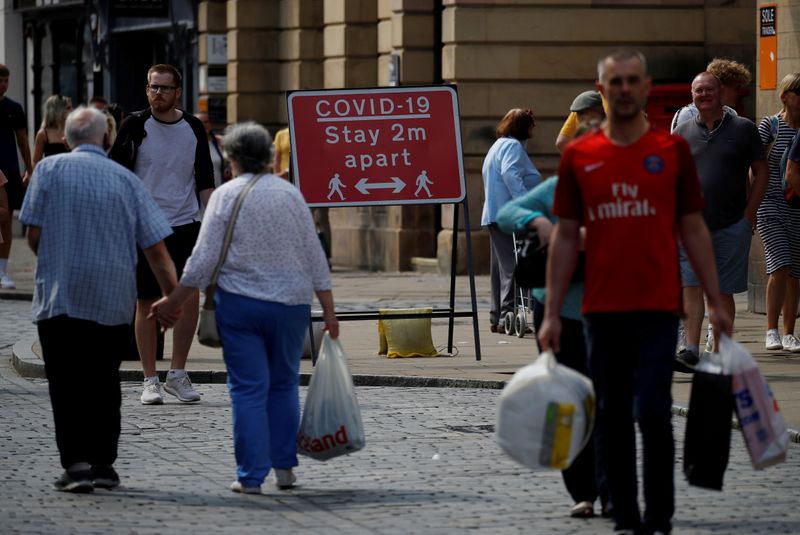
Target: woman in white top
pixel 273 267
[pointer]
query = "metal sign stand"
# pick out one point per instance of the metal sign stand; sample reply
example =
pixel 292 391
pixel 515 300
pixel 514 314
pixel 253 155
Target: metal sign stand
pixel 451 313
pixel 335 132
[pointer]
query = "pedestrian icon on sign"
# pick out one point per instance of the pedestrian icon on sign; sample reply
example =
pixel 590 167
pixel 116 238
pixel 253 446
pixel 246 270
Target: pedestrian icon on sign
pixel 422 183
pixel 334 186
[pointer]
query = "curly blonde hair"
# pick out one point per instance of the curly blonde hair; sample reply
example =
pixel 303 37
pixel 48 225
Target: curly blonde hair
pixel 730 73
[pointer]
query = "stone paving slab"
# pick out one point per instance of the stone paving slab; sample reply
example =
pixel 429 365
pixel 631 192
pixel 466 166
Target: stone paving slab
pixel 176 462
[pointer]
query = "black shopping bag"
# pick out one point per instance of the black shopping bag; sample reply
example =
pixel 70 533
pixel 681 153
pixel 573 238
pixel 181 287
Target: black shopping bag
pixel 708 430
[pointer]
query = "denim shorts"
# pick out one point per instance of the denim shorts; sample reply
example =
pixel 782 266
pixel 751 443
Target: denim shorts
pixel 731 251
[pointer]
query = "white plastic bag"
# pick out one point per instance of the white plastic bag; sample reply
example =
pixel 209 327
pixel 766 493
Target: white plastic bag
pixel 546 414
pixel 331 424
pixel 763 428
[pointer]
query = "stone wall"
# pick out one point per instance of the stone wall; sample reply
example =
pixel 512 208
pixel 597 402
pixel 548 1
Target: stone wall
pixel 500 54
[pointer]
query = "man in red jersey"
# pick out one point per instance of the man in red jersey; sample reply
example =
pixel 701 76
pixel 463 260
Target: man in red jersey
pixel 635 189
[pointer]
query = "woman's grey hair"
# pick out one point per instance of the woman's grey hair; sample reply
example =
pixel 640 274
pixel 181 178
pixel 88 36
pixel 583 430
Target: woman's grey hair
pixel 248 144
pixel 85 125
pixel 54 108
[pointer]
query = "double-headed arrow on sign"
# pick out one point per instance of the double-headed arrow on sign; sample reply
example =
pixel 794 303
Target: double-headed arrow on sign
pixel 364 186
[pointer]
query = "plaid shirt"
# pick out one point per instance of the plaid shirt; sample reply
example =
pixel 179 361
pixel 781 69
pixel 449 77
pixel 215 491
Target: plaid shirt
pixel 92 212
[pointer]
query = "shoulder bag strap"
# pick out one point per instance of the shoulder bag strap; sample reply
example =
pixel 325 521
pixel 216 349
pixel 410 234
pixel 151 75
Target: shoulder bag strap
pixel 226 242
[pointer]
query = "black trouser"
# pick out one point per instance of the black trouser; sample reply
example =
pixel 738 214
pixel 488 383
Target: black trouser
pixel 583 478
pixel 81 360
pixel 634 380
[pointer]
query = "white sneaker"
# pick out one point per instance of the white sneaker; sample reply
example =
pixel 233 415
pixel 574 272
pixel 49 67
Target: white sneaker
pixel 284 478
pixel 773 340
pixel 710 339
pixel 151 393
pixel 181 387
pixel 7 283
pixel 790 343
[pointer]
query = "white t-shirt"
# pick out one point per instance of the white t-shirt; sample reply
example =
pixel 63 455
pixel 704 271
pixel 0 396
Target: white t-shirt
pixel 165 163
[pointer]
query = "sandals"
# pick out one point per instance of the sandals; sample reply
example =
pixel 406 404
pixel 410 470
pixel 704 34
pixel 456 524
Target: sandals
pixel 582 510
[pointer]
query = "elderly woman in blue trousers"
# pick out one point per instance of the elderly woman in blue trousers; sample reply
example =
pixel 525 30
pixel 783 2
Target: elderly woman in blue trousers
pixel 274 265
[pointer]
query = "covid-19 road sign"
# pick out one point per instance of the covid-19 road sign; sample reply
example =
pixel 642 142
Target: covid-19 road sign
pixel 360 147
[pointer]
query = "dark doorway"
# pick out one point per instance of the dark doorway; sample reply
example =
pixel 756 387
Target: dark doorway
pixel 133 54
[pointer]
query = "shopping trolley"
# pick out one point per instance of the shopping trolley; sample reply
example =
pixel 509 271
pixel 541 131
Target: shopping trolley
pixel 518 320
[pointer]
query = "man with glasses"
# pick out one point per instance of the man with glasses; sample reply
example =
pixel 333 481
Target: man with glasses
pixel 166 147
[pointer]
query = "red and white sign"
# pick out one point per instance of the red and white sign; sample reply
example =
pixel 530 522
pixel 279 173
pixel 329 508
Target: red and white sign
pixel 361 147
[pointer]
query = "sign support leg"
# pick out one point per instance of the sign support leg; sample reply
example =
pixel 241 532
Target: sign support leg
pixel 453 259
pixel 471 271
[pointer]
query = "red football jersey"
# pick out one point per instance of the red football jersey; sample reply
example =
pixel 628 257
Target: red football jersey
pixel 629 199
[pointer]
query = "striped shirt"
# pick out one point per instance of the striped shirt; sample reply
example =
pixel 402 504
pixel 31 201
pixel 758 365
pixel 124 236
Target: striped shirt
pixel 92 212
pixel 774 203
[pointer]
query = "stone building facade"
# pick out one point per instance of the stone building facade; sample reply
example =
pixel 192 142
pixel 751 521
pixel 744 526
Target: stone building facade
pixel 500 53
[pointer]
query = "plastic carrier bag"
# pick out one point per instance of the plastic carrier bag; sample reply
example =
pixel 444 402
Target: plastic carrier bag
pixel 707 443
pixel 763 428
pixel 546 414
pixel 331 424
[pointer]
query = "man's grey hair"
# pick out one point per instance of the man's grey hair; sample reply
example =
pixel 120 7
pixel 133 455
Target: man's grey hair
pixel 85 125
pixel 249 145
pixel 620 55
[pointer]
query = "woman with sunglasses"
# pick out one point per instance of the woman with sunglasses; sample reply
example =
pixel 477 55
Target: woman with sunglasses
pixel 778 223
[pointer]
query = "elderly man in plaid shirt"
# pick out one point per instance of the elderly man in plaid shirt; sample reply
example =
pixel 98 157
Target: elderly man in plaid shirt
pixel 86 214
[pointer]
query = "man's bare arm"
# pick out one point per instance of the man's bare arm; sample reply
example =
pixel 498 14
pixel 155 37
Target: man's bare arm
pixel 25 150
pixel 205 195
pixel 5 213
pixel 758 188
pixel 34 233
pixel 562 256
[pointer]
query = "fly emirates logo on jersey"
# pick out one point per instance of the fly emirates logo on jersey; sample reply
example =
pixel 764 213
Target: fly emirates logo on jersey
pixel 626 204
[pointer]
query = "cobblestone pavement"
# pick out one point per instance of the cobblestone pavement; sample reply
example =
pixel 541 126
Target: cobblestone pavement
pixel 15 323
pixel 431 465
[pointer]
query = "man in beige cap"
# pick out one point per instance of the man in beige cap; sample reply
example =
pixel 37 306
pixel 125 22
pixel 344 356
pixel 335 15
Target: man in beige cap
pixel 588 107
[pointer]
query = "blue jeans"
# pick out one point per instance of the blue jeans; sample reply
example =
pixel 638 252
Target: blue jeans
pixel 262 345
pixel 630 360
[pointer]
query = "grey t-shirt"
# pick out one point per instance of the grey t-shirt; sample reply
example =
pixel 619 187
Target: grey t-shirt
pixel 723 157
pixel 165 164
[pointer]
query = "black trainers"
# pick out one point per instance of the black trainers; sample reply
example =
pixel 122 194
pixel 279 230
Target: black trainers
pixel 105 477
pixel 685 361
pixel 74 481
